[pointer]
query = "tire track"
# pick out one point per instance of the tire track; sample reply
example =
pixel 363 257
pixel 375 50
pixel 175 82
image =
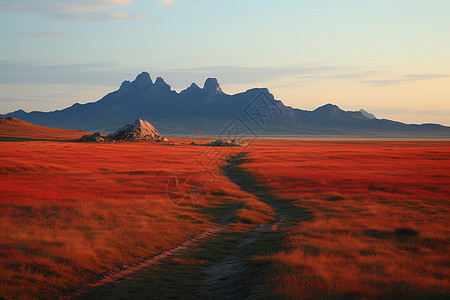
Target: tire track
pixel 114 278
pixel 117 276
pixel 229 278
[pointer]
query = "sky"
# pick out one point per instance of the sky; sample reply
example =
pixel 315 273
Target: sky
pixel 391 58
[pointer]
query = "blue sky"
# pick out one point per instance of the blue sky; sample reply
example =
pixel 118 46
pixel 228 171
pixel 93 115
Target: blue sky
pixel 390 57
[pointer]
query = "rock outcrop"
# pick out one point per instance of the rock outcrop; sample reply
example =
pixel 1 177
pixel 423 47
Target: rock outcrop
pixel 139 130
pixel 96 137
pixel 228 143
pixel 212 87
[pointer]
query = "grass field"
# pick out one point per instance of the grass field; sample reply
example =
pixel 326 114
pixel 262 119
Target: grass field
pixel 377 226
pixel 71 211
pixel 381 223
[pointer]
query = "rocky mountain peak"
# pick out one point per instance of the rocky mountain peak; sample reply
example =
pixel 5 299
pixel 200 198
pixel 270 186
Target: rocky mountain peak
pixel 367 114
pixel 125 85
pixel 328 108
pixel 193 88
pixel 212 86
pixel 160 83
pixel 143 80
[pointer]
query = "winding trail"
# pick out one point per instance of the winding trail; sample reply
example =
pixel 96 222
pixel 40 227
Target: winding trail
pixel 230 278
pixel 114 278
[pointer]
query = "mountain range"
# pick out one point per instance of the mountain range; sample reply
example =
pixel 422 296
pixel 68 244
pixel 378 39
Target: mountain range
pixel 249 114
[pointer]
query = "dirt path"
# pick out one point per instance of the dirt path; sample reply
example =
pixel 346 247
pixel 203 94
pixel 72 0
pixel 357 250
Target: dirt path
pixel 117 277
pixel 233 276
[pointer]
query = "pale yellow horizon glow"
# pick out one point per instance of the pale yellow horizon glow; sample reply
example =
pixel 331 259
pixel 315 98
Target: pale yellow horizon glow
pixel 407 102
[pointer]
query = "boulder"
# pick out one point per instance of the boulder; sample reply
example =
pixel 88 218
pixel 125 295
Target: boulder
pixel 92 138
pixel 228 143
pixel 162 139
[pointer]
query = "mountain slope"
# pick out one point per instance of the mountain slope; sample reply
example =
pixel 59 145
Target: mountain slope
pixel 255 112
pixel 15 128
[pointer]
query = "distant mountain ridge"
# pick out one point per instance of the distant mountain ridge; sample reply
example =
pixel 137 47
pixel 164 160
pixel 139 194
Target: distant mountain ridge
pixel 252 113
pixel 367 114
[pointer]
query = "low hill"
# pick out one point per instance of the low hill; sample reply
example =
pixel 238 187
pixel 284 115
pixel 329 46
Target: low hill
pixel 16 128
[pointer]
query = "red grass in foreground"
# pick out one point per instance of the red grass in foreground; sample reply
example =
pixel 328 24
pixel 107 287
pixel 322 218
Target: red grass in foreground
pixel 380 229
pixel 381 221
pixel 73 210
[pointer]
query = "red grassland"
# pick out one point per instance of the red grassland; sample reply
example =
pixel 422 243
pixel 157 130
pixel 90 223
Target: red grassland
pixel 70 211
pixel 16 128
pixel 381 223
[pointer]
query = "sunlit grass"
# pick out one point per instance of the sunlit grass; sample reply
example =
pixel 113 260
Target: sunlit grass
pixel 379 229
pixel 381 218
pixel 71 211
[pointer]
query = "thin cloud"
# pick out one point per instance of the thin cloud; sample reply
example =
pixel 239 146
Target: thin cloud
pixel 78 10
pixel 296 75
pixel 404 79
pixel 106 17
pixel 12 100
pixel 19 72
pixel 30 73
pixel 44 34
pixel 165 2
pixel 410 111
